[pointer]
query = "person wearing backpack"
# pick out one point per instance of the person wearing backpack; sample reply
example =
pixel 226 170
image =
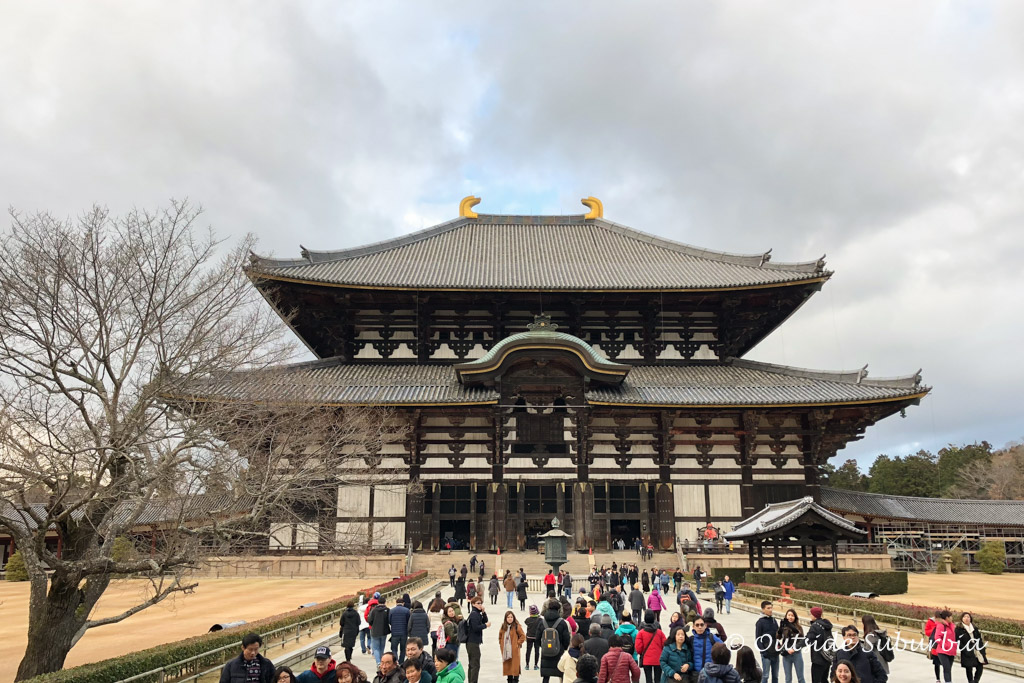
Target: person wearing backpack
pixel 618 666
pixel 822 645
pixel 878 640
pixel 554 640
pixel 627 632
pixel 648 645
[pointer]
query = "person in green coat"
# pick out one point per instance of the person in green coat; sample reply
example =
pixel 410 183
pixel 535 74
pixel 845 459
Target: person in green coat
pixel 449 669
pixel 676 659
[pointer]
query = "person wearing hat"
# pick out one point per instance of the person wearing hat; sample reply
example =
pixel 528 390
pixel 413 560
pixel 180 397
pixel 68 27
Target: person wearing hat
pixel 820 640
pixel 323 669
pixel 533 632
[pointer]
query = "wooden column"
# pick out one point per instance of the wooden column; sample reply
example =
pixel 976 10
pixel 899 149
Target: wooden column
pixel 749 421
pixel 750 551
pixel 803 556
pixel 499 513
pixel 435 517
pixel 835 557
pixel 646 523
pixel 760 555
pixel 814 557
pixel 560 502
pixel 521 517
pixel 472 516
pixel 775 551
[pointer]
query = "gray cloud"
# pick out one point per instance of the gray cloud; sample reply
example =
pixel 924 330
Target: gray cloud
pixel 885 135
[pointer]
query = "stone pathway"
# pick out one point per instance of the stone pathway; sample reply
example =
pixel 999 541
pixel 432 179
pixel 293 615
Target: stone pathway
pixel 905 668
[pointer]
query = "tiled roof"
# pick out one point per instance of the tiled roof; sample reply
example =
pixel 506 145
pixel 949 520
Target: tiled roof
pixel 740 383
pixel 778 515
pixel 535 252
pixel 988 512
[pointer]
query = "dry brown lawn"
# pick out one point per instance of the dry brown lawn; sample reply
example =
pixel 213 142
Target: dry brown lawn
pixel 215 600
pixel 1001 596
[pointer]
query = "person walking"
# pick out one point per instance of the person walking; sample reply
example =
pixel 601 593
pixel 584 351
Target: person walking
pixel 650 642
pixel 929 630
pixel 596 643
pixel 549 584
pixel 791 642
pixel 451 576
pixel 944 636
pixel 509 583
pixel 822 644
pixel 567 664
pixel 973 657
pixel 701 643
pixel 746 665
pixel 521 594
pixel 637 602
pixel 449 669
pixel 379 628
pixel 493 588
pixel 730 590
pixel 475 626
pixel 450 623
pixel 419 625
pixel 698 575
pixel 719 596
pixel 676 660
pixel 719 670
pixel 533 629
pixel 554 640
pixel 877 640
pixel 460 589
pixel 645 581
pixel 414 652
pixel 618 666
pixel 656 604
pixel 511 637
pixel 398 622
pixel 862 661
pixel 713 624
pixel 349 631
pixel 764 637
pixel 249 665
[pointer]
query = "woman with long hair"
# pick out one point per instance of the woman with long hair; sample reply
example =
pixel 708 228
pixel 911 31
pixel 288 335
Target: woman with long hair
pixel 972 648
pixel 567 664
pixel 746 664
pixel 284 675
pixel 875 638
pixel 790 640
pixel 944 636
pixel 510 641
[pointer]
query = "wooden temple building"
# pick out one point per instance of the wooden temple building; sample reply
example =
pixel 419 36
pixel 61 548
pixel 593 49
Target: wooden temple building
pixel 568 366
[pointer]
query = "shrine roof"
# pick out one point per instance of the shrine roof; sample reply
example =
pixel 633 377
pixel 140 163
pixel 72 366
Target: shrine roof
pixel 496 252
pixel 777 516
pixel 954 511
pixel 738 383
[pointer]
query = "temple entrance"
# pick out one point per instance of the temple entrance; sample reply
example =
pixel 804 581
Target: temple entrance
pixel 534 528
pixel 456 532
pixel 627 530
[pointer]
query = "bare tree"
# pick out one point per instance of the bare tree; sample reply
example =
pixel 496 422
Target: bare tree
pixel 119 337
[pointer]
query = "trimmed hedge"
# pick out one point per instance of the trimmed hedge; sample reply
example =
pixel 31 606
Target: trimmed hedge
pixel 737 574
pixel 844 583
pixel 134 663
pixel 15 569
pixel 1012 628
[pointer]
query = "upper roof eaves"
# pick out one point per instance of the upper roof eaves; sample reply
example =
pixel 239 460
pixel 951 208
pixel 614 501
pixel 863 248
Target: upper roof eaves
pixel 609 255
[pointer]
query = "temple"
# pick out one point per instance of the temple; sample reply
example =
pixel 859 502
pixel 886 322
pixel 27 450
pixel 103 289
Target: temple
pixel 561 365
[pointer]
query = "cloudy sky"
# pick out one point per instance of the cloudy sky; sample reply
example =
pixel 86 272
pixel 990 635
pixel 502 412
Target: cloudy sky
pixel 888 135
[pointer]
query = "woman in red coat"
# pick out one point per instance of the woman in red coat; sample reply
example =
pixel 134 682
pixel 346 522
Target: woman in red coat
pixel 618 666
pixel 945 643
pixel 649 643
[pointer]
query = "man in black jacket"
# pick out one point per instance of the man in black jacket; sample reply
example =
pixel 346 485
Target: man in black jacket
pixel 819 641
pixel 475 637
pixel 864 662
pixel 379 628
pixel 596 643
pixel 250 666
pixel 764 636
pixel 414 650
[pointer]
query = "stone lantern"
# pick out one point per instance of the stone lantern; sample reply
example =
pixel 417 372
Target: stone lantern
pixel 555 546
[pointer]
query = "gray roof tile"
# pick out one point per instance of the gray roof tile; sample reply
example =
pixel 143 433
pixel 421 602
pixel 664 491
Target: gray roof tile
pixel 987 512
pixel 535 252
pixel 740 383
pixel 778 515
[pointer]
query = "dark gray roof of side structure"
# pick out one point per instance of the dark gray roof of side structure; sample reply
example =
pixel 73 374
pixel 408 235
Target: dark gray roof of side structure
pixel 535 252
pixel 954 511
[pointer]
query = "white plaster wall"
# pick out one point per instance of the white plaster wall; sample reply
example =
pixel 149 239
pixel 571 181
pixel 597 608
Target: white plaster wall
pixel 389 532
pixel 353 500
pixel 280 536
pixel 689 500
pixel 725 501
pixel 389 500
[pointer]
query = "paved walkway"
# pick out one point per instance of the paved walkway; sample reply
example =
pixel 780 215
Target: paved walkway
pixel 907 667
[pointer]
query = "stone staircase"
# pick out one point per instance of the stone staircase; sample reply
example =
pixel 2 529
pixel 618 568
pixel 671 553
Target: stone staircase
pixel 437 563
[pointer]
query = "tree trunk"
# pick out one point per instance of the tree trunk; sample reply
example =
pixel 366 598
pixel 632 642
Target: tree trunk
pixel 52 627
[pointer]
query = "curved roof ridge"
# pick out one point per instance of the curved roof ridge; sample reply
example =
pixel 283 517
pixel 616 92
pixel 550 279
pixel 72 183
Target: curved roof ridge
pixel 762 260
pixel 847 376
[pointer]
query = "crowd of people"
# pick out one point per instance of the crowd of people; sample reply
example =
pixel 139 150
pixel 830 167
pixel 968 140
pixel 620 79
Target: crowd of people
pixel 624 623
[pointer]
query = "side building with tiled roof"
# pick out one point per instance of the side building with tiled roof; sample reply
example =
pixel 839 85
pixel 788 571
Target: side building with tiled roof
pixel 565 366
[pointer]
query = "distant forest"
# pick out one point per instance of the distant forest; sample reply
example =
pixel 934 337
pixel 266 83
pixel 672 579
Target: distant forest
pixel 974 471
